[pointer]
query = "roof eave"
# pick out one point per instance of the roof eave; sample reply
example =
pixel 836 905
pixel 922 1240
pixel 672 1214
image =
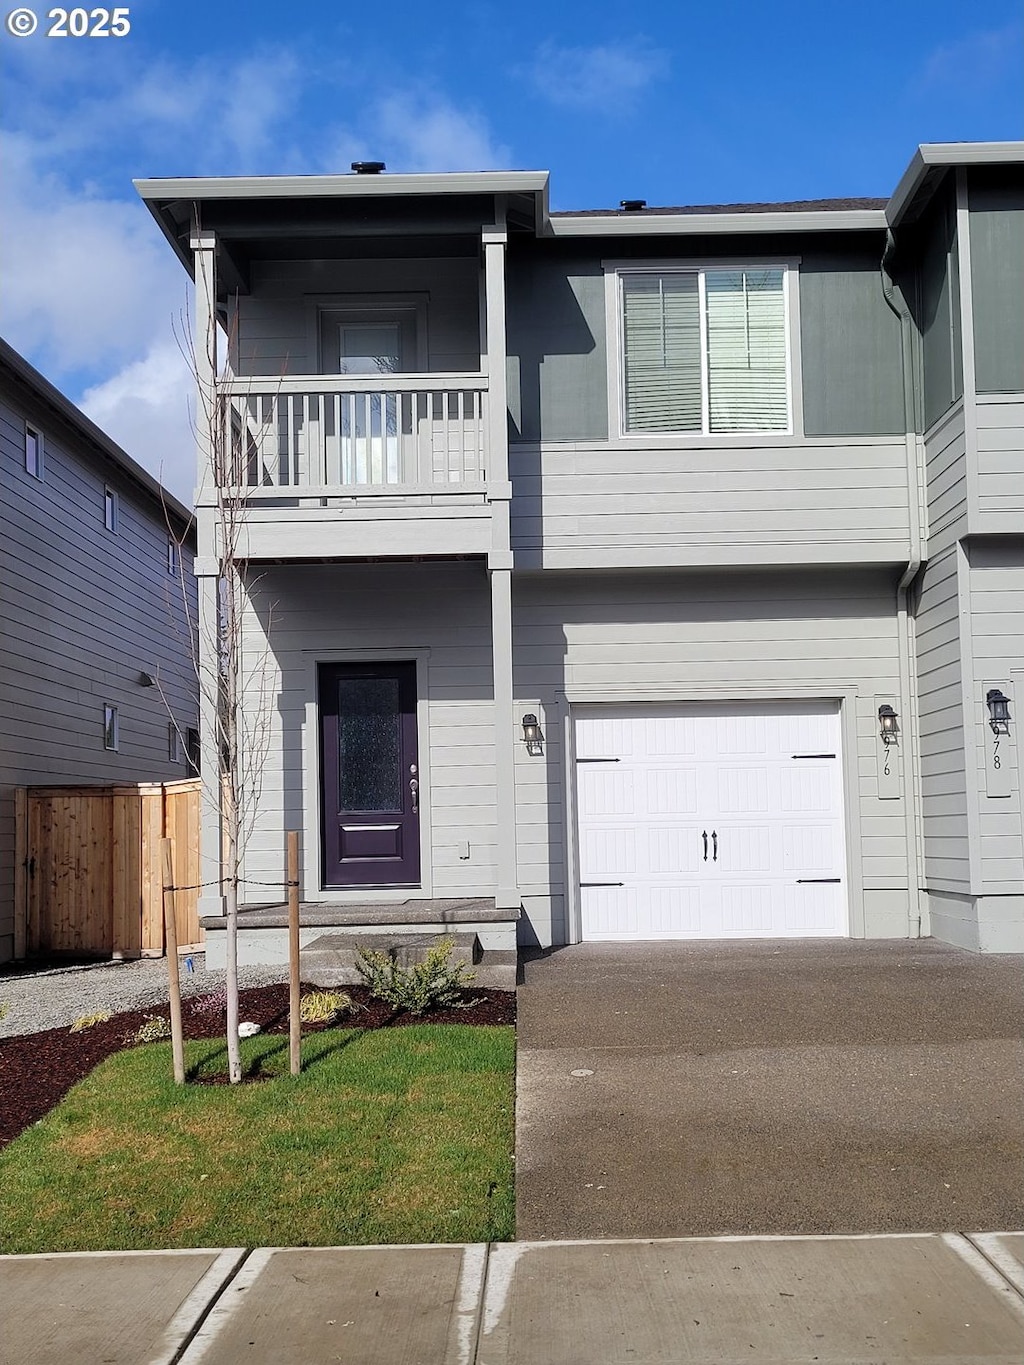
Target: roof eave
pixel 931 155
pixel 717 224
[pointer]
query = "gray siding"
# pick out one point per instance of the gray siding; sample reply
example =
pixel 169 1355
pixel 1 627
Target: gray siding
pixel 688 637
pixel 274 333
pixel 997 636
pixel 850 347
pixel 822 501
pixel 941 718
pixel 82 613
pixel 386 611
pixel 558 380
pixel 945 450
pixel 1000 437
pixel 997 276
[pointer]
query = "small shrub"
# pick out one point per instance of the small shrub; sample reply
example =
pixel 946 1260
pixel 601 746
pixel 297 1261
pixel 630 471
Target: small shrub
pixel 323 1007
pixel 155 1028
pixel 435 983
pixel 214 1003
pixel 85 1021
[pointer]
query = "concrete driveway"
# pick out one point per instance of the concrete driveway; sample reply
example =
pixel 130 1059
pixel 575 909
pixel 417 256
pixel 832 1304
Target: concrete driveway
pixel 693 1089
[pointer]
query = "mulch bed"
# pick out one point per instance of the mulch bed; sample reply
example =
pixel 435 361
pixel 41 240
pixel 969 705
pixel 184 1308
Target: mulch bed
pixel 38 1069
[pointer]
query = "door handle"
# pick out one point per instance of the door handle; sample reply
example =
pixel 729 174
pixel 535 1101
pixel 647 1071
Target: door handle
pixel 414 788
pixel 704 836
pixel 714 844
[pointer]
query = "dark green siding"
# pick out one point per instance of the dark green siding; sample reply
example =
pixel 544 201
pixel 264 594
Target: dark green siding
pixel 850 344
pixel 997 278
pixel 937 309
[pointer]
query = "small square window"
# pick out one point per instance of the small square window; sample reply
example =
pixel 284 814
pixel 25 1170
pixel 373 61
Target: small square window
pixel 192 752
pixel 110 509
pixel 33 452
pixel 173 743
pixel 172 558
pixel 111 732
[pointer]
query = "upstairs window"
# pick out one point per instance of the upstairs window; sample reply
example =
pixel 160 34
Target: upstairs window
pixel 111 728
pixel 110 510
pixel 33 452
pixel 705 351
pixel 172 557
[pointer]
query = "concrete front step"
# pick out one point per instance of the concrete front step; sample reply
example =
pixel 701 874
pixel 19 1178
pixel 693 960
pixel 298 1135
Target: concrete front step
pixel 332 959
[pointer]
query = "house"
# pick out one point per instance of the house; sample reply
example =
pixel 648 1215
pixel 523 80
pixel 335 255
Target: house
pixel 642 573
pixel 97 683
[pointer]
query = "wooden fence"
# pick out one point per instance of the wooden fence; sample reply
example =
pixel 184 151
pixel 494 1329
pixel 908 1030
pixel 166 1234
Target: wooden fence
pixel 88 868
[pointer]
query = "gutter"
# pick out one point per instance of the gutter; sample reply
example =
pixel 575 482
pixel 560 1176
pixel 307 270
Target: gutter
pixel 905 625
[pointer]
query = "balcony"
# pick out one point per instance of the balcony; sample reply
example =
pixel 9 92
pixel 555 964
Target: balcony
pixel 353 465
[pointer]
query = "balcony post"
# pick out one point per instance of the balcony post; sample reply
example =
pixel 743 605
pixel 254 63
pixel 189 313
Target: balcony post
pixel 205 360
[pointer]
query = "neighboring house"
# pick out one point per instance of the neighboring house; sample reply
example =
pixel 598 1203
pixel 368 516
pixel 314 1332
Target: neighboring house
pixel 655 572
pixel 95 642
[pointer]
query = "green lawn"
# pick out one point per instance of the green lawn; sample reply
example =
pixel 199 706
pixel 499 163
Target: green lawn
pixel 392 1135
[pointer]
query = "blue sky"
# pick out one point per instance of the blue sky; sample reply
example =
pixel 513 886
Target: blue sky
pixel 672 102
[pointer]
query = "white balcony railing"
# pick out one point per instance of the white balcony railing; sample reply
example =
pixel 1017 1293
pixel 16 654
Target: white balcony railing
pixel 348 432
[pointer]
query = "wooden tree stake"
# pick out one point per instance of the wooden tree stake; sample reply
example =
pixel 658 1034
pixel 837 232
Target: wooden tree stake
pixel 294 1021
pixel 171 930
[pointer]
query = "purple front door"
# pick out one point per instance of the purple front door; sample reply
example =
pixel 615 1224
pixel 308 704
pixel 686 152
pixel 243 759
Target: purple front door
pixel 370 774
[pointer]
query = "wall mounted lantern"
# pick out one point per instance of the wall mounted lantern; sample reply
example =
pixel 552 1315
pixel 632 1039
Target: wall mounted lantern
pixel 532 735
pixel 999 711
pixel 146 680
pixel 887 725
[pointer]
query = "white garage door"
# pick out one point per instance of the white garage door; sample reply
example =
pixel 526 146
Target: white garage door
pixel 724 823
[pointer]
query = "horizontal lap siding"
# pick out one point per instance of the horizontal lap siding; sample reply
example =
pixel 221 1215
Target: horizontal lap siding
pixel 1001 457
pixel 274 322
pixel 82 613
pixel 686 636
pixel 997 632
pixel 380 611
pixel 573 504
pixel 939 661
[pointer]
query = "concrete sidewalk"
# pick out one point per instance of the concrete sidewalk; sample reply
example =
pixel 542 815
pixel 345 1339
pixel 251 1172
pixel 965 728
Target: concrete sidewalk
pixel 758 1087
pixel 944 1299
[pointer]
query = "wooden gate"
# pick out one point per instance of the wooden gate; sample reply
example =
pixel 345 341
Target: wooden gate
pixel 89 871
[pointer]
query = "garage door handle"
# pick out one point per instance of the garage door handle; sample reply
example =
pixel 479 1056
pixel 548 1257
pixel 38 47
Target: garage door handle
pixel 602 883
pixel 599 760
pixel 714 845
pixel 814 755
pixel 704 836
pixel 817 881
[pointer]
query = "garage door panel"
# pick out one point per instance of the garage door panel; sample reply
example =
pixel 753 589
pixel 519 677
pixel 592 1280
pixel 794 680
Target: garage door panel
pixel 607 791
pixel 763 785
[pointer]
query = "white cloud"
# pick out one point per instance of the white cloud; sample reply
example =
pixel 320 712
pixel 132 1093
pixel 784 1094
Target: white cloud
pixel 418 132
pixel 87 279
pixel 145 408
pixel 609 76
pixel 975 62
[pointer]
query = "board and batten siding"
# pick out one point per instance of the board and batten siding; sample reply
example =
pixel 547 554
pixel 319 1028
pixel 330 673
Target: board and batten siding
pixel 691 637
pixel 996 201
pixel 274 329
pixel 437 614
pixel 82 613
pixel 817 500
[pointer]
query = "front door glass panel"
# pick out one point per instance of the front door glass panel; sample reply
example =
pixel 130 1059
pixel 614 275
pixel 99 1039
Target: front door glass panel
pixel 369 745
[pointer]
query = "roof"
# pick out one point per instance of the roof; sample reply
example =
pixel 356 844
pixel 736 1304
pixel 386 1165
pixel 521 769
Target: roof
pixel 786 206
pixel 25 374
pixel 930 163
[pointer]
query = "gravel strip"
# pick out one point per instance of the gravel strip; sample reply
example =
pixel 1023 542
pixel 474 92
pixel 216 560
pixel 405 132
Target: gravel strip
pixel 55 998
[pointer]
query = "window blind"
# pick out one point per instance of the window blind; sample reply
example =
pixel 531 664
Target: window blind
pixel 746 323
pixel 662 349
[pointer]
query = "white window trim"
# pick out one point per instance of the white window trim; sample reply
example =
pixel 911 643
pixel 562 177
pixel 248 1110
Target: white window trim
pixel 390 306
pixel 174 744
pixel 32 430
pixel 173 557
pixel 111 502
pixel 617 435
pixel 111 722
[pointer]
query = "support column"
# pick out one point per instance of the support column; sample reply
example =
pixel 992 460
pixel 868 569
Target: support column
pixel 205 361
pixel 507 895
pixel 210 898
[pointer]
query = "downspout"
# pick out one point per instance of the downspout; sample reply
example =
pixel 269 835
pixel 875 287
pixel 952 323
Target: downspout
pixel 904 625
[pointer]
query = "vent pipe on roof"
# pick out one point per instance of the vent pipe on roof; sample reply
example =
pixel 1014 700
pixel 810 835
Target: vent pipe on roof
pixel 632 205
pixel 368 167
